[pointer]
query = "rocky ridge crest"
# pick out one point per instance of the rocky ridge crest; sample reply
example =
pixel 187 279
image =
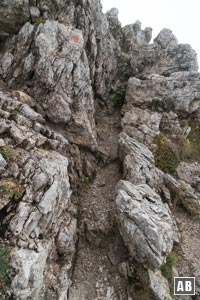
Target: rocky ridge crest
pixel 99 156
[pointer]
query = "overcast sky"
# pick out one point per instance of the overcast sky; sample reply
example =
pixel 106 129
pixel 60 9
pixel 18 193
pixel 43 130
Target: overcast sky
pixel 181 16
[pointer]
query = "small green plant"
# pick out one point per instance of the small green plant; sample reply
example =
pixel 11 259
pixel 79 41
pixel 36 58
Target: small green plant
pixel 194 138
pixel 12 189
pixel 85 180
pixel 167 268
pixel 40 20
pixel 6 152
pixel 189 148
pixel 165 158
pixel 118 97
pixel 46 146
pixel 14 114
pixel 177 199
pixel 3 272
pixel 184 148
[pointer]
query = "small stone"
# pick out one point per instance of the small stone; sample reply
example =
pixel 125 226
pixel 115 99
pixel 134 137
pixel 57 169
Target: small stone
pixel 3 163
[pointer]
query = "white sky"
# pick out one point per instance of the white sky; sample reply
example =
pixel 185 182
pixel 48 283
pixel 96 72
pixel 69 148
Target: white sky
pixel 181 16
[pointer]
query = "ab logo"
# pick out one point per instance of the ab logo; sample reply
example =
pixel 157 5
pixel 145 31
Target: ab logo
pixel 184 285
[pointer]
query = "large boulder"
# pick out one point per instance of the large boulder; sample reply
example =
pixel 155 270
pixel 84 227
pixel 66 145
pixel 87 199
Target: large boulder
pixel 159 285
pixel 146 224
pixel 138 162
pixel 183 194
pixel 142 125
pixel 57 74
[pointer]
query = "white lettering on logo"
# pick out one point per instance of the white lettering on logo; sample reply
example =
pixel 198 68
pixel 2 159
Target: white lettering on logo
pixel 188 286
pixel 180 287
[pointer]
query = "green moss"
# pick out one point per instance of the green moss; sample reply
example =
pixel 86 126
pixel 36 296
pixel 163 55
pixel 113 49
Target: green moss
pixel 167 268
pixel 3 272
pixel 40 20
pixel 7 153
pixel 12 189
pixel 165 157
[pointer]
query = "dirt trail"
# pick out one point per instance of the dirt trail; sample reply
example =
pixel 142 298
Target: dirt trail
pixel 100 248
pixel 188 260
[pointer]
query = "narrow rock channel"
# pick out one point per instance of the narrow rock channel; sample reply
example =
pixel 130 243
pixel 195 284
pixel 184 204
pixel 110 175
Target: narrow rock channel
pixel 100 248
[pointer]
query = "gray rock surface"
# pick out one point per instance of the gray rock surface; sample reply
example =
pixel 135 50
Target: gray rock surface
pixel 61 82
pixel 143 125
pixel 34 227
pixel 159 285
pixel 146 224
pixel 165 56
pixel 138 162
pixel 183 194
pixel 190 173
pixel 13 14
pixel 179 92
pixel 2 163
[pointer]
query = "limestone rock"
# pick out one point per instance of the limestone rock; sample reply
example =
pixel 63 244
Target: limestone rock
pixel 170 124
pixel 41 216
pixel 34 13
pixel 159 285
pixel 141 124
pixel 183 194
pixel 179 92
pixel 3 163
pixel 146 224
pixel 135 35
pixel 138 162
pixel 13 15
pixel 61 76
pixel 190 173
pixel 28 266
pixel 164 57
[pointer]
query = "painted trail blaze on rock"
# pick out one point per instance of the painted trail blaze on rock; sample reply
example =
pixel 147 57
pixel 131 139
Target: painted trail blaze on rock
pixel 76 38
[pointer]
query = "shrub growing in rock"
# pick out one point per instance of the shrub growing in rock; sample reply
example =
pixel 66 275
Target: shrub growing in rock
pixel 165 157
pixel 170 262
pixel 118 97
pixel 3 272
pixel 12 189
pixel 39 20
pixel 6 152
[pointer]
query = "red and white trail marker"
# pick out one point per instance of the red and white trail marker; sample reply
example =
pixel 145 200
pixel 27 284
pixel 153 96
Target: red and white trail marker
pixel 76 38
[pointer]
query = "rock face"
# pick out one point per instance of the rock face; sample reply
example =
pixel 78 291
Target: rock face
pixel 164 57
pixel 13 16
pixel 85 105
pixel 40 216
pixel 179 92
pixel 55 66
